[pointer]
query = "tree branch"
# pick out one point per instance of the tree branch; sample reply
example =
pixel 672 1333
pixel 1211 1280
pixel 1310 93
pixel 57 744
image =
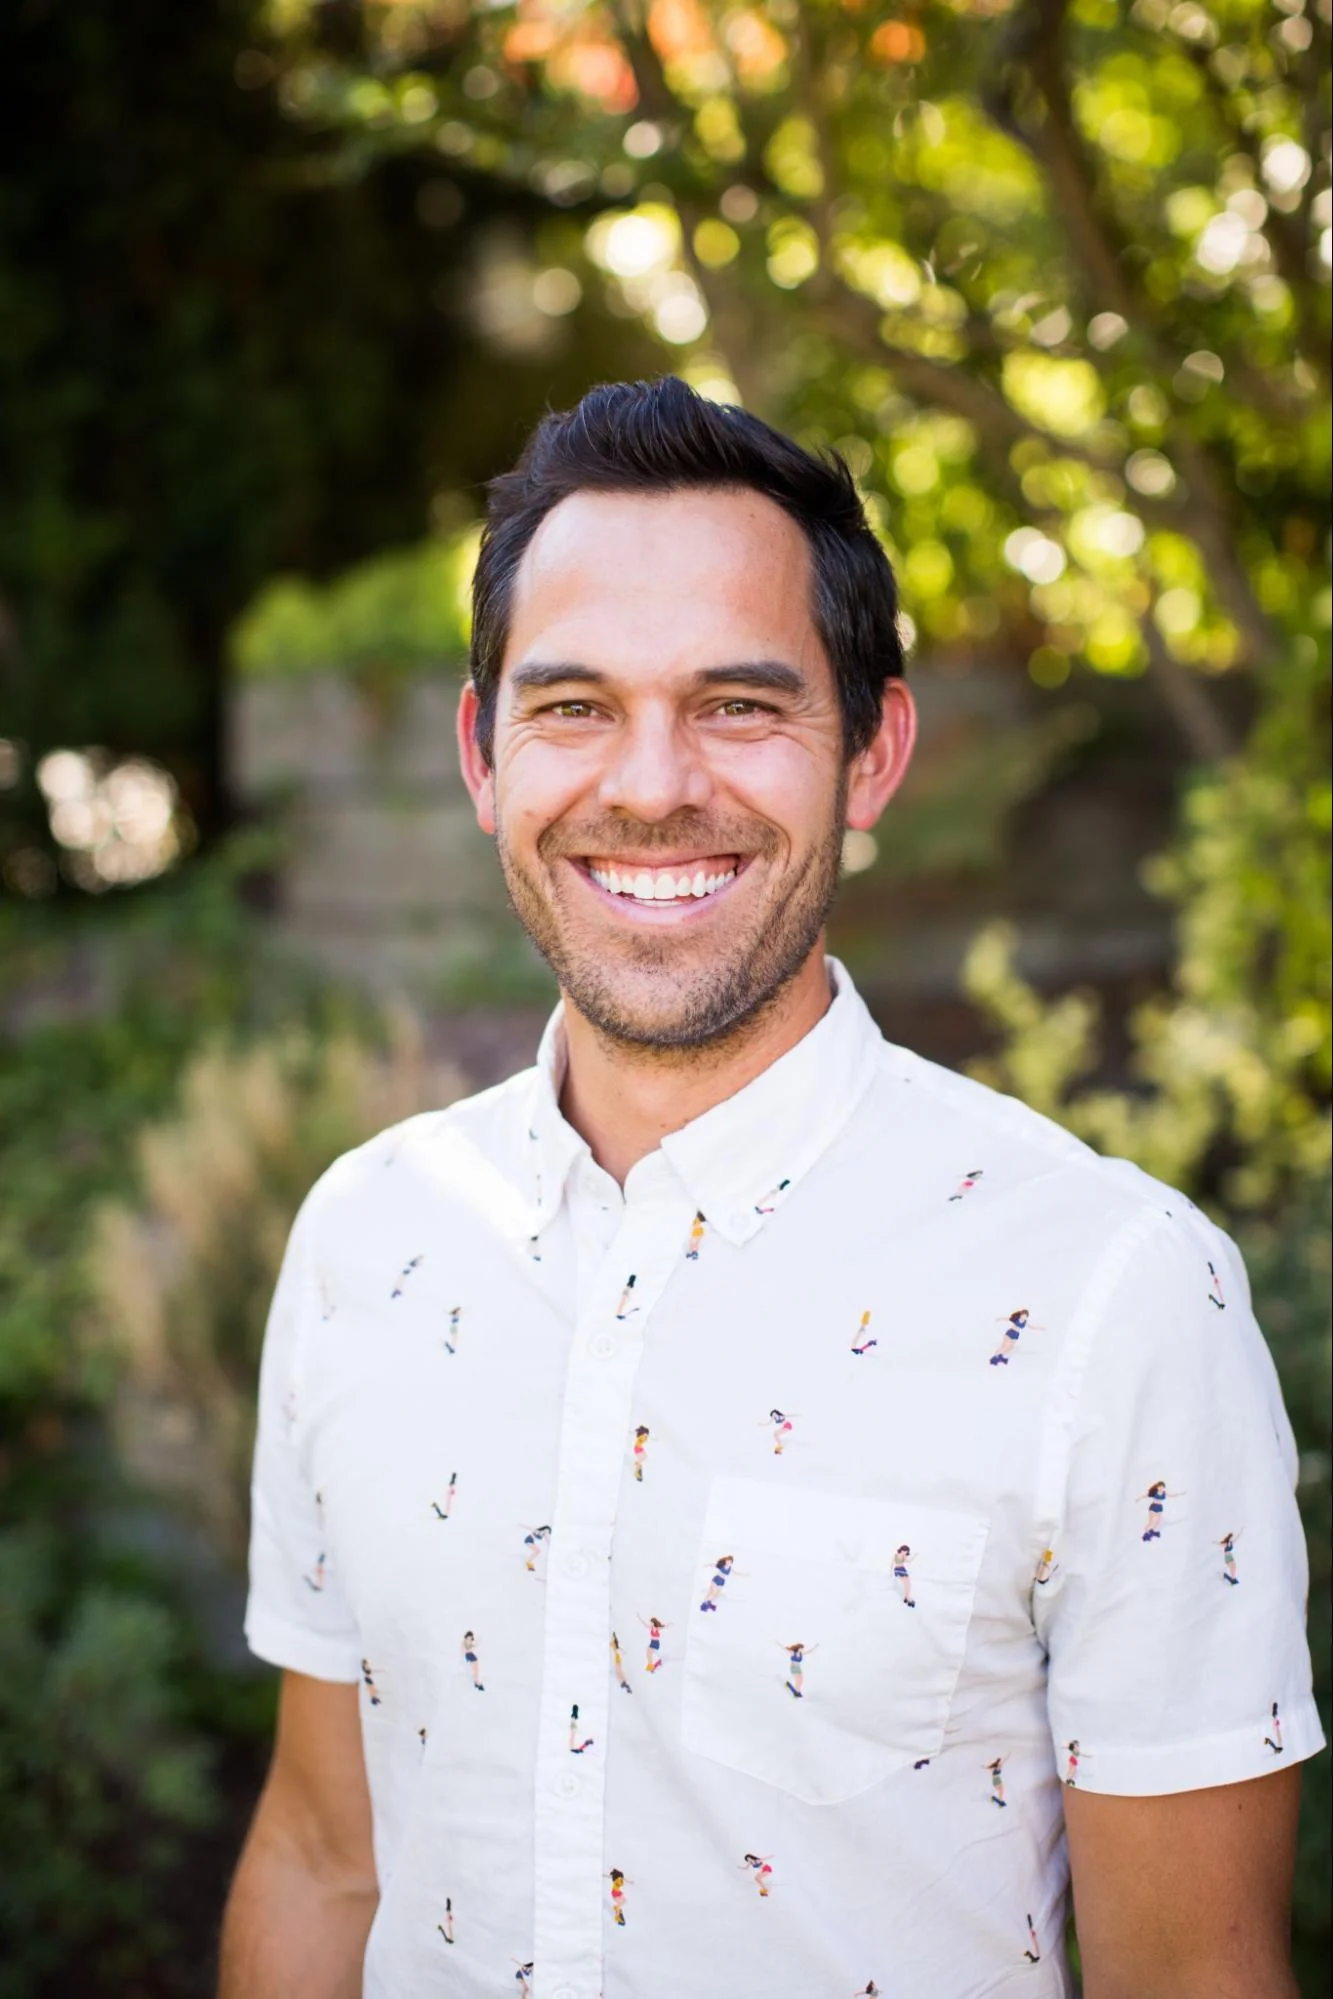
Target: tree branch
pixel 1036 45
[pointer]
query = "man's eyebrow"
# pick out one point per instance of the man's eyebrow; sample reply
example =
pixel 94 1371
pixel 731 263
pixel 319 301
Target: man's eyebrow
pixel 772 676
pixel 538 674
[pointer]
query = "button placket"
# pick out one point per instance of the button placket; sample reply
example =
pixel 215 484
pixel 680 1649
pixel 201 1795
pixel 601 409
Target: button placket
pixel 599 1385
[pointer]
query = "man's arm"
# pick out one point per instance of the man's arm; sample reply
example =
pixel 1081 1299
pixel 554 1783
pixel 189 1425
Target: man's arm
pixel 1187 1896
pixel 305 1892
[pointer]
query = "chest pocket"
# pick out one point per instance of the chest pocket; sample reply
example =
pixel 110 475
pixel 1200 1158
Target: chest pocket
pixel 874 1596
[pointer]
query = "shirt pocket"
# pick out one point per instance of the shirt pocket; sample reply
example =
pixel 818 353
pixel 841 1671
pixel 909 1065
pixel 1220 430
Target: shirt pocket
pixel 868 1690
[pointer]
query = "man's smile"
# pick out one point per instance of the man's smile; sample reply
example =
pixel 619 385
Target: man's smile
pixel 658 886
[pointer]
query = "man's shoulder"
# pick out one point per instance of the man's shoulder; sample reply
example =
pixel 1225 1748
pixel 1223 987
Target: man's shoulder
pixel 460 1146
pixel 1004 1139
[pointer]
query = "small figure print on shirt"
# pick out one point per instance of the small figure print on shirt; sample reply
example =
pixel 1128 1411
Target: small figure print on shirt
pixel 697 1232
pixel 1033 1951
pixel 771 1198
pixel 413 1263
pixel 795 1682
pixel 368 1680
pixel 722 1568
pixel 1273 1740
pixel 617 1880
pixel 470 1659
pixel 781 1426
pixel 902 1575
pixel 451 1336
pixel 443 1512
pixel 996 1768
pixel 640 1450
pixel 523 1979
pixel 1157 1496
pixel 577 1745
pixel 626 1310
pixel 618 1664
pixel 315 1579
pixel 1046 1567
pixel 1071 1764
pixel 966 1184
pixel 1015 1325
pixel 422 1738
pixel 1228 1546
pixel 534 1541
pixel 760 1866
pixel 861 1344
pixel 446 1928
pixel 654 1627
pixel 870 1991
pixel 1215 1294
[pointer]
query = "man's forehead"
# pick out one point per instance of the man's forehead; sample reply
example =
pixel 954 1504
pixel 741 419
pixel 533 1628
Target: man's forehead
pixel 717 532
pixel 688 558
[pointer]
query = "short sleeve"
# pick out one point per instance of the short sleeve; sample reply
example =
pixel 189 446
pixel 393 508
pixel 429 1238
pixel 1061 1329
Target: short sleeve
pixel 1173 1604
pixel 297 1615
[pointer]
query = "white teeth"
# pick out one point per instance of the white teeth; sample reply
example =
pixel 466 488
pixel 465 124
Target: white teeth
pixel 645 886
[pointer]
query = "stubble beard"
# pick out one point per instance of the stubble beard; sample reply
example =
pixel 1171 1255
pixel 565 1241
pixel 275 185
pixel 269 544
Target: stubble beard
pixel 691 1008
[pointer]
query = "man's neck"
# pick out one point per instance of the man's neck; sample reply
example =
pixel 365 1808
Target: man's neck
pixel 625 1100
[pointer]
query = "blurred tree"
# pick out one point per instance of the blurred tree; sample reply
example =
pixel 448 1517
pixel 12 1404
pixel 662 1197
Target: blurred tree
pixel 1054 274
pixel 227 348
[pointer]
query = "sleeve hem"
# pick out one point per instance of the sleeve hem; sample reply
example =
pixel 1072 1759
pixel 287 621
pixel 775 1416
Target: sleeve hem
pixel 297 1651
pixel 1200 1765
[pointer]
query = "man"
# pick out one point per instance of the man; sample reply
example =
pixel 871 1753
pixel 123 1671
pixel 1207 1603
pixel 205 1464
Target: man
pixel 686 683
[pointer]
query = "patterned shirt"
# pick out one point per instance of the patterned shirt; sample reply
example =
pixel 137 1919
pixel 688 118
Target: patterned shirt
pixel 734 1569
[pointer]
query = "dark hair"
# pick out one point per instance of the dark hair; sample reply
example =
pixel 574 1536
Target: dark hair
pixel 660 437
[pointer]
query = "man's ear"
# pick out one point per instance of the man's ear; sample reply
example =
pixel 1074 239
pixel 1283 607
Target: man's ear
pixel 478 773
pixel 877 772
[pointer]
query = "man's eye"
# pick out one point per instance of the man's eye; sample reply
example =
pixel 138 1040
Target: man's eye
pixel 570 710
pixel 740 706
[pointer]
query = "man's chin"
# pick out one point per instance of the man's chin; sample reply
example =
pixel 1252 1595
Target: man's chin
pixel 651 1007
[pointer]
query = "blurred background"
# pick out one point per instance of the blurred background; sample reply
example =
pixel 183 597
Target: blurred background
pixel 284 282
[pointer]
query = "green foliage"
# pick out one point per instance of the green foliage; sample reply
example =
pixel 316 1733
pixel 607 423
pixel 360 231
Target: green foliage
pixel 392 615
pixel 1232 1066
pixel 94 1751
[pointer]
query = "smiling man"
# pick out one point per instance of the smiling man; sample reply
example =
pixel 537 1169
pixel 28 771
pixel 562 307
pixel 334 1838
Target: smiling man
pixel 884 1439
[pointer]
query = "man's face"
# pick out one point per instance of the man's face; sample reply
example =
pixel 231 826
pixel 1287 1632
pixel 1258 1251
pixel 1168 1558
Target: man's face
pixel 668 783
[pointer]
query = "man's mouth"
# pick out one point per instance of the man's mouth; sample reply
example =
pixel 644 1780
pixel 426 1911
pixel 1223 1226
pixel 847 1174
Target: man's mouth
pixel 686 880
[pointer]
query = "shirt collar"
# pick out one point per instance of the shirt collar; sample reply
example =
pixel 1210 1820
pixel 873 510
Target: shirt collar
pixel 741 1160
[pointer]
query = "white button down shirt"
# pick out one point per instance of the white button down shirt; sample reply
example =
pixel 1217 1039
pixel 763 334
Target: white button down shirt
pixel 734 1570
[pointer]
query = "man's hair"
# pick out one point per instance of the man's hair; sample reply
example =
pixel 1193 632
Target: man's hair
pixel 661 437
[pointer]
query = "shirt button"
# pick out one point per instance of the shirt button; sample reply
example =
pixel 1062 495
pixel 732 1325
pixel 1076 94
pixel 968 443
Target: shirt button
pixel 603 1345
pixel 564 1992
pixel 576 1564
pixel 567 1785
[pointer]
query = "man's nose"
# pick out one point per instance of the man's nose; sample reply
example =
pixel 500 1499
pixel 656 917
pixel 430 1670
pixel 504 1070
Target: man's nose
pixel 654 769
